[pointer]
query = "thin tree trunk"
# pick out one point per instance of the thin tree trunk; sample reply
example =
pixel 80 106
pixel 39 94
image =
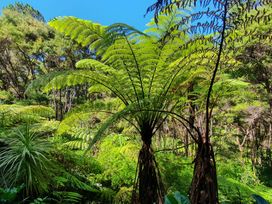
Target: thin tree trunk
pixel 60 106
pixel 192 114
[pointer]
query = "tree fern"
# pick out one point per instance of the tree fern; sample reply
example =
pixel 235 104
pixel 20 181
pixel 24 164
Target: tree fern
pixel 152 69
pixel 141 72
pixel 222 18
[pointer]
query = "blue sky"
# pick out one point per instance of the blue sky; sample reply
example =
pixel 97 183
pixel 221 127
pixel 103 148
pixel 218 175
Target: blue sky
pixel 103 11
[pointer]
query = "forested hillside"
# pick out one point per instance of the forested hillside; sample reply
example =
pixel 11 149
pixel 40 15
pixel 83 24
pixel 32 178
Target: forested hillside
pixel 178 113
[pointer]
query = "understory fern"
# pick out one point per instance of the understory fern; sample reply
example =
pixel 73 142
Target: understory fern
pixel 80 125
pixel 11 114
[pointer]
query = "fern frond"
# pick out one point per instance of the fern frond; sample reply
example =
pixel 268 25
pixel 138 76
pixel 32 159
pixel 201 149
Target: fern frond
pixel 77 183
pixel 41 81
pixel 67 196
pixel 122 114
pixel 81 123
pixel 84 32
pixel 164 28
pixel 11 114
pixel 114 31
pixel 65 79
pixel 93 35
pixel 46 126
pixel 98 88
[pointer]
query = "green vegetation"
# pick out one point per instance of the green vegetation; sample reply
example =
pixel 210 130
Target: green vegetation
pixel 179 113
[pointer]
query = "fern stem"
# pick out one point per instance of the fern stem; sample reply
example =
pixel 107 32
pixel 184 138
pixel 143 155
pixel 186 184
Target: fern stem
pixel 137 66
pixel 214 73
pixel 116 91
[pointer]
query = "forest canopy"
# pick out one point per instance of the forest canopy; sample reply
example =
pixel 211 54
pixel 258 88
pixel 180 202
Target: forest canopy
pixel 178 113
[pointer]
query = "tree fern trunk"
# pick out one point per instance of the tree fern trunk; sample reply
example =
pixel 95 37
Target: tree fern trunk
pixel 204 184
pixel 150 188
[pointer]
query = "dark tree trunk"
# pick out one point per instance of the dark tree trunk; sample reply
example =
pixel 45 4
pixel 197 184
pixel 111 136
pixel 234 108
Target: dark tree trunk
pixel 192 115
pixel 204 184
pixel 149 180
pixel 186 144
pixel 60 106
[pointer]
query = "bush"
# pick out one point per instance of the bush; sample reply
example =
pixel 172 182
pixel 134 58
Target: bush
pixel 118 157
pixel 176 172
pixel 238 181
pixel 123 196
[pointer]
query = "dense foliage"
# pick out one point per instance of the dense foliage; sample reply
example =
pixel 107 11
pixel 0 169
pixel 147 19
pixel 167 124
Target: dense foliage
pixel 109 114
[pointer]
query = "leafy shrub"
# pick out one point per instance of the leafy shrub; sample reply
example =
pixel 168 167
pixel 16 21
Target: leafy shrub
pixel 241 171
pixel 12 115
pixel 238 181
pixel 264 170
pixel 118 157
pixel 77 162
pixel 176 172
pixel 9 195
pixel 6 97
pixel 232 191
pixel 123 196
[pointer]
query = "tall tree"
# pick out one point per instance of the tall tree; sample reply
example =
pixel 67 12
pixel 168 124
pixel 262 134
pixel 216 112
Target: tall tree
pixel 29 48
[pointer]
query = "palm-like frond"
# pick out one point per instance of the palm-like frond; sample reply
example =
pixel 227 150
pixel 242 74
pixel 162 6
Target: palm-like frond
pixel 138 71
pixel 84 32
pixel 40 82
pixel 124 62
pixel 207 16
pixel 93 35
